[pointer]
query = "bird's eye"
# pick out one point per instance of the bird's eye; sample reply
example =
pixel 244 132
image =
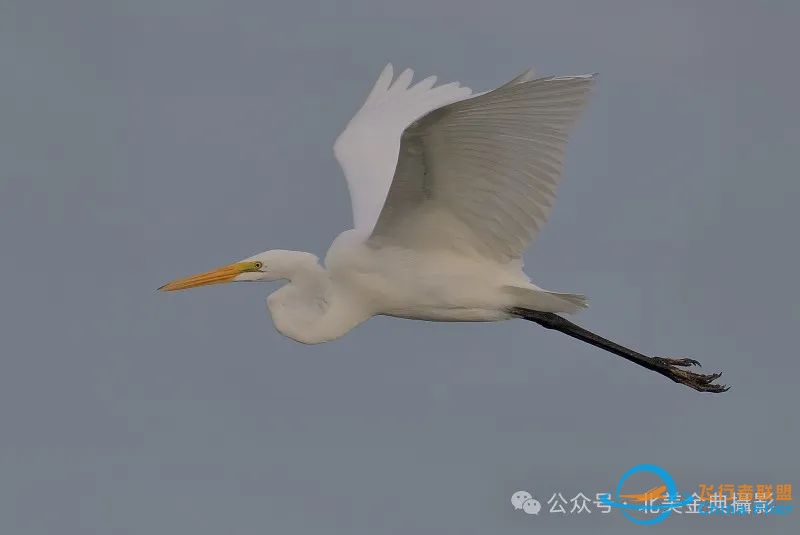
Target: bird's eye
pixel 259 265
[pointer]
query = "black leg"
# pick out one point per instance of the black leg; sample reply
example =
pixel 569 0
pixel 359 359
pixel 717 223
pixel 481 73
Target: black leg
pixel 668 367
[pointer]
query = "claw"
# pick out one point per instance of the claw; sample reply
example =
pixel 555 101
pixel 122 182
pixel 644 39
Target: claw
pixel 701 382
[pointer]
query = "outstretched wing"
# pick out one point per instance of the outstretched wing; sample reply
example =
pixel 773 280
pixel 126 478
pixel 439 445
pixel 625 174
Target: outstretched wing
pixel 367 149
pixel 480 175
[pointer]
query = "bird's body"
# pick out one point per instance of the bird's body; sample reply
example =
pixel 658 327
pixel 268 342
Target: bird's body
pixel 359 281
pixel 448 189
pixel 437 285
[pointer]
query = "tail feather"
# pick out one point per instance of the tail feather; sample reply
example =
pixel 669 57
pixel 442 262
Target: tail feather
pixel 579 301
pixel 545 301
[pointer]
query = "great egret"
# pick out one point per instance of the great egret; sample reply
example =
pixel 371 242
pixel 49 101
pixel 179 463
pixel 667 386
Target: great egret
pixel 448 189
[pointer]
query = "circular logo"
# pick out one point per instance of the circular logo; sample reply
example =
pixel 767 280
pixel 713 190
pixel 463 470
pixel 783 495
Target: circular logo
pixel 666 509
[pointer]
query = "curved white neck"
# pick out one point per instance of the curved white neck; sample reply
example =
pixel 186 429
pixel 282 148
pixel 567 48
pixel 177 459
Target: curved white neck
pixel 310 308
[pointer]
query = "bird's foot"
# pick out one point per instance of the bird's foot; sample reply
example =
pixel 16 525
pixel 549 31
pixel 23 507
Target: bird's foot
pixel 702 382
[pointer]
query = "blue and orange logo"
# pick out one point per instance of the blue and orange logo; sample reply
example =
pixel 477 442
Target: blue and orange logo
pixel 667 491
pixel 724 501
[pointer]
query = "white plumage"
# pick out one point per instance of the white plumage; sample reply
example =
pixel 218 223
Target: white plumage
pixel 368 147
pixel 477 173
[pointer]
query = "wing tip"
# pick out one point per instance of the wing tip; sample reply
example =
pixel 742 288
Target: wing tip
pixel 403 80
pixel 382 84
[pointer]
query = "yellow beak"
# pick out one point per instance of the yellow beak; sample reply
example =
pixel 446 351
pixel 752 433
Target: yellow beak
pixel 215 276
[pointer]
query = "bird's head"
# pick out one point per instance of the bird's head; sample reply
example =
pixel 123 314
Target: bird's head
pixel 263 267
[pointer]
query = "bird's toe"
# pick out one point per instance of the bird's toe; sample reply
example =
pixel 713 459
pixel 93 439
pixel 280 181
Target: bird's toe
pixel 702 382
pixel 683 362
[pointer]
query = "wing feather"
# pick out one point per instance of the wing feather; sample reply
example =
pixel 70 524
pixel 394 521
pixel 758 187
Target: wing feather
pixel 368 148
pixel 480 174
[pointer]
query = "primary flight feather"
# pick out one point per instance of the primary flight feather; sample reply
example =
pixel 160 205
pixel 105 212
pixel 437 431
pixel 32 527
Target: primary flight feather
pixel 448 189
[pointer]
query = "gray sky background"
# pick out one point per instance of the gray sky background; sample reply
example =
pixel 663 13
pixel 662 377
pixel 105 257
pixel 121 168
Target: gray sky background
pixel 144 140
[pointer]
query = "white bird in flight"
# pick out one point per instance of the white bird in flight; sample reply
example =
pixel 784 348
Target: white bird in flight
pixel 448 188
